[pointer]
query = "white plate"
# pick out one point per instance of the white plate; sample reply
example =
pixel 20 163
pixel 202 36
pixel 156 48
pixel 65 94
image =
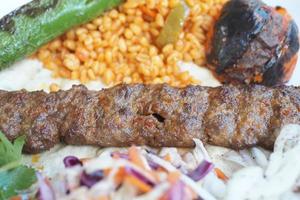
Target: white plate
pixel 292 6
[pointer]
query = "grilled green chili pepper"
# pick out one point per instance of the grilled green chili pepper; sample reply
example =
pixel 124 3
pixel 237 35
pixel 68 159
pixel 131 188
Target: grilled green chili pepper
pixel 26 29
pixel 173 26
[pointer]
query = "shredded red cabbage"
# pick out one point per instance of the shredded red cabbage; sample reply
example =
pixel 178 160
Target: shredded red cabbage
pixel 45 191
pixel 177 192
pixel 153 165
pixel 201 171
pixel 89 180
pixel 121 155
pixel 140 176
pixel 71 161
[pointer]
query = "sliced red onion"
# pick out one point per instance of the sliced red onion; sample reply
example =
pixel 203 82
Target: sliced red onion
pixel 121 155
pixel 177 192
pixel 153 165
pixel 201 171
pixel 150 161
pixel 71 161
pixel 89 180
pixel 140 176
pixel 45 191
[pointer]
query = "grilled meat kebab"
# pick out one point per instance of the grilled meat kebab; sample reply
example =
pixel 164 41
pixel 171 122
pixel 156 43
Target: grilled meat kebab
pixel 156 115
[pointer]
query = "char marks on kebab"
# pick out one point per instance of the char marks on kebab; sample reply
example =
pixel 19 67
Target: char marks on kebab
pixel 156 115
pixel 253 43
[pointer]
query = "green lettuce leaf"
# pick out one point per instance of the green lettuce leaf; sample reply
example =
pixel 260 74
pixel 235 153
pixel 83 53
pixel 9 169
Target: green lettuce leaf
pixel 14 176
pixel 17 179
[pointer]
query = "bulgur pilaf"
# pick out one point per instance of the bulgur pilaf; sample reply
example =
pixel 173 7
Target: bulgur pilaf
pixel 119 47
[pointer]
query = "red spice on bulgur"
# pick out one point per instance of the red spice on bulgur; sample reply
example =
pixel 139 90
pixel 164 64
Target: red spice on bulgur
pixel 119 47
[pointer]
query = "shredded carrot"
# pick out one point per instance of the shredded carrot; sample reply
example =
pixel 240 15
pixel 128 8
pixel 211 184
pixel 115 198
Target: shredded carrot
pixel 116 156
pixel 221 174
pixel 106 171
pixel 173 177
pixel 164 197
pixel 155 175
pixel 103 198
pixel 193 194
pixel 135 157
pixel 120 175
pixel 160 169
pixel 84 160
pixel 143 187
pixel 168 157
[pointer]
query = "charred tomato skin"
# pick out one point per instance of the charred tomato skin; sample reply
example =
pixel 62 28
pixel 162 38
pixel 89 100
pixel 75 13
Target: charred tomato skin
pixel 232 35
pixel 252 42
pixel 282 70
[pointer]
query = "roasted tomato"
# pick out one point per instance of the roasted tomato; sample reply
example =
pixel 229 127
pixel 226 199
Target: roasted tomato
pixel 253 43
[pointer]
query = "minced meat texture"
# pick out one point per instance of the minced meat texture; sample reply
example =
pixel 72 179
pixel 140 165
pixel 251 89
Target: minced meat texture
pixel 155 115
